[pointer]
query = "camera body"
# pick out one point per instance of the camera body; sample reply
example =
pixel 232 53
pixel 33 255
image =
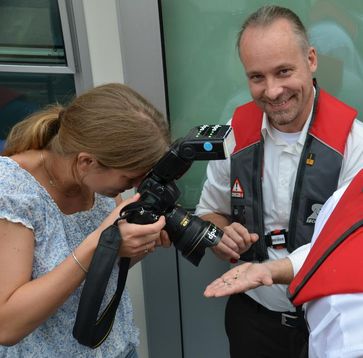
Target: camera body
pixel 159 192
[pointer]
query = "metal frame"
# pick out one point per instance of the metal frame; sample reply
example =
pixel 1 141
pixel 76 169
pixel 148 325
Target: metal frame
pixel 67 38
pixel 78 38
pixel 36 69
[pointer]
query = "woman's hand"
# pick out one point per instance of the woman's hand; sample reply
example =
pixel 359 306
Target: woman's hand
pixel 163 240
pixel 111 218
pixel 138 240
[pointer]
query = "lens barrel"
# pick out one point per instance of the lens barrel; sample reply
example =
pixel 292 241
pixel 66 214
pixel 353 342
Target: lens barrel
pixel 190 234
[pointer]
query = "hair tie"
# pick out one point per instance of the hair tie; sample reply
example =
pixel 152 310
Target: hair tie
pixel 61 114
pixel 55 125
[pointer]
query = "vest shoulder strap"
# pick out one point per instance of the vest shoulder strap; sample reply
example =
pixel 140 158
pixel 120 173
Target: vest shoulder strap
pixel 335 120
pixel 246 124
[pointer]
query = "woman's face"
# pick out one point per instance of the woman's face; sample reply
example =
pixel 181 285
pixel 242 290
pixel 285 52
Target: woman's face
pixel 111 182
pixel 107 181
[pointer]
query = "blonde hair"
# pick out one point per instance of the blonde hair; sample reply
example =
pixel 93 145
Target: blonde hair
pixel 112 122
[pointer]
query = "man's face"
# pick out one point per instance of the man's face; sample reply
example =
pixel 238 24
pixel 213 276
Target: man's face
pixel 279 74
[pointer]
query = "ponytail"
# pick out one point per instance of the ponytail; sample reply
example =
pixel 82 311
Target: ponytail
pixel 34 132
pixel 112 122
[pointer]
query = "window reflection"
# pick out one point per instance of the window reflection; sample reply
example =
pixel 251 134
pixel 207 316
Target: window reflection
pixel 23 94
pixel 31 33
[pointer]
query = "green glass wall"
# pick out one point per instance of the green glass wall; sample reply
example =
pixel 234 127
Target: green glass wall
pixel 205 79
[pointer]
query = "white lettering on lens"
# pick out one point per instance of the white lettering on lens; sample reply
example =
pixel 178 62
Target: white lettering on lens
pixel 212 234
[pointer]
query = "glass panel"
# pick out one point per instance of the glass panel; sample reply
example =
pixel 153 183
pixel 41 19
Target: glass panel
pixel 22 94
pixel 31 33
pixel 205 78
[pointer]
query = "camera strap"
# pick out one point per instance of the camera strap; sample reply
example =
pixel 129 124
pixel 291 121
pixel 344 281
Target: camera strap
pixel 90 329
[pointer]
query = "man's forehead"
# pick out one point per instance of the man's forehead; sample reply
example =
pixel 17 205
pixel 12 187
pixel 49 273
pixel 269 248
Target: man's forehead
pixel 275 38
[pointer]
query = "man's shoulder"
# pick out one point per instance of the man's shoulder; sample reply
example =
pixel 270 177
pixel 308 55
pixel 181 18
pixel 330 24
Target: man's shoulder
pixel 248 107
pixel 357 127
pixel 328 103
pixel 249 114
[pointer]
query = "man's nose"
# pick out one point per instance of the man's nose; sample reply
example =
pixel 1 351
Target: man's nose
pixel 273 89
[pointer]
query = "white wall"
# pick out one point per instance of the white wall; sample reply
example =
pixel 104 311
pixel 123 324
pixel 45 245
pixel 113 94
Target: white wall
pixel 106 63
pixel 104 41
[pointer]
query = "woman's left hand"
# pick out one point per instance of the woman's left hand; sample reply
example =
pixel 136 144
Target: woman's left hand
pixel 163 240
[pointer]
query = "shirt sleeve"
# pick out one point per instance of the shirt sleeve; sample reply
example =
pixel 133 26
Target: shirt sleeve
pixel 353 154
pixel 298 257
pixel 20 208
pixel 215 197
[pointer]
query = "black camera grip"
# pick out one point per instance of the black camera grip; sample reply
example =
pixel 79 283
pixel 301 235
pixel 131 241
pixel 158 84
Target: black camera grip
pixel 139 213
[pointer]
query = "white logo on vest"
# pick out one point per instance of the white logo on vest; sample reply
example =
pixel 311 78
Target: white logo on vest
pixel 315 208
pixel 237 190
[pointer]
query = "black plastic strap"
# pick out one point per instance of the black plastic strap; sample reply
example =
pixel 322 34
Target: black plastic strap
pixel 294 319
pixel 88 330
pixel 277 239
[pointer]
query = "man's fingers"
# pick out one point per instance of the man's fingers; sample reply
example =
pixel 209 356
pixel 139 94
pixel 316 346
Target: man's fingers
pixel 240 237
pixel 225 252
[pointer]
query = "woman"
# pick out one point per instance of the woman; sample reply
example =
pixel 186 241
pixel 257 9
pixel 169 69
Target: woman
pixel 59 175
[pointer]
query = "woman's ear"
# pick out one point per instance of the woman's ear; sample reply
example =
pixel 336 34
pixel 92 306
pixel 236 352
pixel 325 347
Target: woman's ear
pixel 86 162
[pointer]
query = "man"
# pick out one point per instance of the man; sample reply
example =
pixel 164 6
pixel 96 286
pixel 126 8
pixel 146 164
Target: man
pixel 330 280
pixel 293 143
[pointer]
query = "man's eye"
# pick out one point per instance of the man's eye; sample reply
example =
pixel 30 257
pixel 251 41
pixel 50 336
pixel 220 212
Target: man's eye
pixel 285 72
pixel 255 78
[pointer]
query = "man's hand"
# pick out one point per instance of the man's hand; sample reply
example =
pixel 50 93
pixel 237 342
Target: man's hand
pixel 240 279
pixel 235 241
pixel 247 276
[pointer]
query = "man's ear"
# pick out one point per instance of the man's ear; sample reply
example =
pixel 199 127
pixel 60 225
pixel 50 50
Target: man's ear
pixel 312 59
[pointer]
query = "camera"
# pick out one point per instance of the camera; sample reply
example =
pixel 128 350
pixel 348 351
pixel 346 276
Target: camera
pixel 159 192
pixel 159 195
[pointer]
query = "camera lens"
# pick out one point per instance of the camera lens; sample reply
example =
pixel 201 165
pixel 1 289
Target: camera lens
pixel 190 234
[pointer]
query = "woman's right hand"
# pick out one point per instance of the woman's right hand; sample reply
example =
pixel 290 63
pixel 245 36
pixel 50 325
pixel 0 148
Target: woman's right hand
pixel 121 203
pixel 138 240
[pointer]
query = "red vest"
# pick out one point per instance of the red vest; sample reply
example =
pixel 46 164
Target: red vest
pixel 335 262
pixel 316 179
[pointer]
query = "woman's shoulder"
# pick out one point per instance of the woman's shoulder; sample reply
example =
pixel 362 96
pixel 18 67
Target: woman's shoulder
pixel 15 179
pixel 21 196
